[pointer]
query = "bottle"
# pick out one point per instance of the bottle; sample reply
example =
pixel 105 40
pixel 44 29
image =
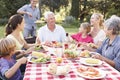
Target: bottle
pixel 67 38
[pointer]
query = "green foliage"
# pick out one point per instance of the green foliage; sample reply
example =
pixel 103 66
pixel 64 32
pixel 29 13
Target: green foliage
pixel 75 9
pixel 70 22
pixel 9 7
pixel 54 4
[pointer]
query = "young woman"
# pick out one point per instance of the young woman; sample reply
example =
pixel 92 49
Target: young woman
pixel 97 31
pixel 14 30
pixel 9 68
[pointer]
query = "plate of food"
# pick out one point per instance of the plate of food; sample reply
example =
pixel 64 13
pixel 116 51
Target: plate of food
pixel 39 57
pixel 54 69
pixel 71 54
pixel 85 53
pixel 90 72
pixel 91 61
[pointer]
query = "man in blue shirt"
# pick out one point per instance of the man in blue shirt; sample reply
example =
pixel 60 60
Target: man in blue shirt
pixel 31 14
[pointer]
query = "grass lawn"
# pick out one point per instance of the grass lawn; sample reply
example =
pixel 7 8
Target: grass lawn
pixel 69 30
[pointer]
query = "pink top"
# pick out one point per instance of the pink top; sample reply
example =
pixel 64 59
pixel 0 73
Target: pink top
pixel 78 37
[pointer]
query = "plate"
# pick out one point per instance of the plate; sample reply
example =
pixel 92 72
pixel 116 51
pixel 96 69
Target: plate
pixel 90 61
pixel 32 61
pixel 94 74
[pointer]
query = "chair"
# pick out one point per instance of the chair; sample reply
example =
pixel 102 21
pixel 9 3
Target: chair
pixel 31 39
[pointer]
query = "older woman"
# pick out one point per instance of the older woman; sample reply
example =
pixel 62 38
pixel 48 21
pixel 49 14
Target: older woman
pixel 97 32
pixel 110 48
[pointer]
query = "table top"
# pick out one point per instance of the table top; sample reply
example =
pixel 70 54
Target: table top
pixel 40 71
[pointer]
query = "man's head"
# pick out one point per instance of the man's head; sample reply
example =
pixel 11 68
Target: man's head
pixel 50 18
pixel 33 2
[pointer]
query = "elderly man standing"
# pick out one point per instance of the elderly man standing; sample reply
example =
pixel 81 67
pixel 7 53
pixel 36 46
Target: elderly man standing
pixel 51 31
pixel 31 14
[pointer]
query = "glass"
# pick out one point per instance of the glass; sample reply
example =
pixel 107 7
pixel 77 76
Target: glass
pixel 59 52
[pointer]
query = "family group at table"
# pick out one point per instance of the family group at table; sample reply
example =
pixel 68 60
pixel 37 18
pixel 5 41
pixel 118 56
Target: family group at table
pixel 103 34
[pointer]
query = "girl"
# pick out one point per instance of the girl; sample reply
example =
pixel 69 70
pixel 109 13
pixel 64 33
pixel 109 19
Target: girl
pixel 83 36
pixel 9 68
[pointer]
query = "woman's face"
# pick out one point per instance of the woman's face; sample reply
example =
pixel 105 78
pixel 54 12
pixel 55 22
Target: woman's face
pixel 94 20
pixel 108 31
pixel 21 26
pixel 82 30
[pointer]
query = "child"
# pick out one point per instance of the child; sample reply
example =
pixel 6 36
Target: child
pixel 9 68
pixel 83 35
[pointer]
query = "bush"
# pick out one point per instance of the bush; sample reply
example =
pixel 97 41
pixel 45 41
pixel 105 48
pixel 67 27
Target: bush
pixel 70 22
pixel 3 21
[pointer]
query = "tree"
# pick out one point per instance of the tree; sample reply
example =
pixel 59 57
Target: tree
pixel 54 4
pixel 75 8
pixel 9 7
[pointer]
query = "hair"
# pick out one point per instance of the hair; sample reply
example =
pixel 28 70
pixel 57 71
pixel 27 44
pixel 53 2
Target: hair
pixel 113 23
pixel 47 14
pixel 86 26
pixel 13 23
pixel 6 46
pixel 100 17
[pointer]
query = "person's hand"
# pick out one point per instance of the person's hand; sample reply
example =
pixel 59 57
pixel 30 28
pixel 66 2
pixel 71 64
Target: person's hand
pixel 30 50
pixel 29 14
pixel 22 60
pixel 48 43
pixel 97 56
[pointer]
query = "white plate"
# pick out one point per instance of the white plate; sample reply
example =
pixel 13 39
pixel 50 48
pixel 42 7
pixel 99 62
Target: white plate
pixel 101 73
pixel 30 57
pixel 83 61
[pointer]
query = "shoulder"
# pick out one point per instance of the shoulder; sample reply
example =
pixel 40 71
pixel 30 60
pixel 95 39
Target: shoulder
pixel 3 61
pixel 102 31
pixel 59 27
pixel 10 36
pixel 42 28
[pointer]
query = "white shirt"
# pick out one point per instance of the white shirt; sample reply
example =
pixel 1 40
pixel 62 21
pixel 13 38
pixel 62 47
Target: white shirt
pixel 58 34
pixel 99 37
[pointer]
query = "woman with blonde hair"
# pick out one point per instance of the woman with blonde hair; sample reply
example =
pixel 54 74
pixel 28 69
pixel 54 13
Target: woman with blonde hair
pixel 97 32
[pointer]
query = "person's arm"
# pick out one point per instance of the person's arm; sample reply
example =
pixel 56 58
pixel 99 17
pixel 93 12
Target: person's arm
pixel 98 56
pixel 9 73
pixel 23 10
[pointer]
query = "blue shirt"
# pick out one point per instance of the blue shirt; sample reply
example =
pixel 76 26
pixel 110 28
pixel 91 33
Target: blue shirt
pixel 111 51
pixel 6 65
pixel 30 21
pixel 58 34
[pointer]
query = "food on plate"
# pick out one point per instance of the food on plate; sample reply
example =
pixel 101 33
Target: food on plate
pixel 38 57
pixel 92 45
pixel 92 61
pixel 53 44
pixel 58 70
pixel 37 54
pixel 88 71
pixel 72 46
pixel 56 44
pixel 71 53
pixel 52 68
pixel 85 53
pixel 38 47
